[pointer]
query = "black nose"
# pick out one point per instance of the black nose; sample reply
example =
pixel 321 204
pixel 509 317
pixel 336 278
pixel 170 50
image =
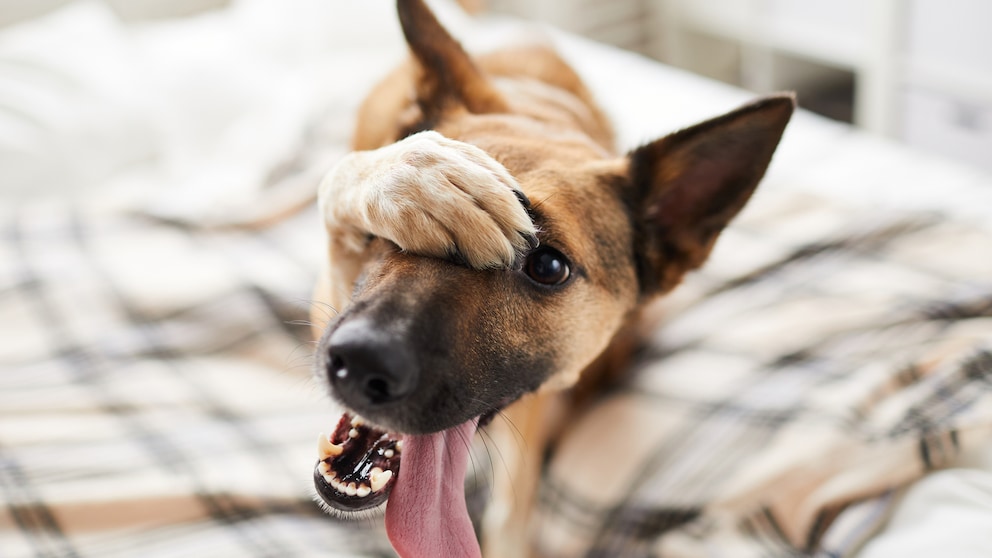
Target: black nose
pixel 368 366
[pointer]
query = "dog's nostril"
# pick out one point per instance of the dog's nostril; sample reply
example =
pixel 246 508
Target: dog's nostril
pixel 377 390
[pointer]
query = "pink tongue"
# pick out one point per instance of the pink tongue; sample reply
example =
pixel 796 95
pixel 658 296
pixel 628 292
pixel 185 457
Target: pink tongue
pixel 426 514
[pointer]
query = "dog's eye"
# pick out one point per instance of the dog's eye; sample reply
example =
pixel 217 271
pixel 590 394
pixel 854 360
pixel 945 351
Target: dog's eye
pixel 547 266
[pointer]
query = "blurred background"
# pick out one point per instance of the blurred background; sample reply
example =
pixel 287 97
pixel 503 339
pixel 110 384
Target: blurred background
pixel 917 71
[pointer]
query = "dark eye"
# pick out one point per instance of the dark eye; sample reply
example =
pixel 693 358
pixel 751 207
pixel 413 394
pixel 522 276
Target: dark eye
pixel 547 266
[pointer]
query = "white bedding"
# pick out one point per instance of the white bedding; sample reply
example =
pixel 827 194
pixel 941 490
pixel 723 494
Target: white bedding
pixel 188 119
pixel 212 102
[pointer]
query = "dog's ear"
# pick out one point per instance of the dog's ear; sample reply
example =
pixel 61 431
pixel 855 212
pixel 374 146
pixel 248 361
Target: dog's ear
pixel 687 186
pixel 447 75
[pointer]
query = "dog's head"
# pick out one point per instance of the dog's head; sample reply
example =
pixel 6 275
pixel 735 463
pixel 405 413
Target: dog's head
pixel 426 344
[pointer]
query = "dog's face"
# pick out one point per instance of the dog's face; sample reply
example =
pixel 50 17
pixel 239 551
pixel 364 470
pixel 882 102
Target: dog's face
pixel 429 343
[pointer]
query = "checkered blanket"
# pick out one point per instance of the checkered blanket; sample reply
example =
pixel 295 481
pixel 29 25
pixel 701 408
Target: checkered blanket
pixel 155 389
pixel 156 400
pixel 824 359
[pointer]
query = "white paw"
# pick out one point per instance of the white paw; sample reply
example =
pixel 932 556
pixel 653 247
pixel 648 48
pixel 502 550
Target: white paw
pixel 432 196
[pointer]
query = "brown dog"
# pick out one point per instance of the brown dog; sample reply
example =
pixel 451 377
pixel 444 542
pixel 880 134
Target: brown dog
pixel 486 247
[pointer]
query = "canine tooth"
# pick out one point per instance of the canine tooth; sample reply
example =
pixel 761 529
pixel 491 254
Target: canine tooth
pixel 352 433
pixel 357 421
pixel 399 446
pixel 324 468
pixel 378 478
pixel 327 449
pixel 389 453
pixel 351 489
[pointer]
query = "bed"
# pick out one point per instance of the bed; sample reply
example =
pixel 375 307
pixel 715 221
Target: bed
pixel 822 387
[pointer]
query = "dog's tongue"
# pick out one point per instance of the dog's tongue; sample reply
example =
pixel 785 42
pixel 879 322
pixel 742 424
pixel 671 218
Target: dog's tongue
pixel 426 514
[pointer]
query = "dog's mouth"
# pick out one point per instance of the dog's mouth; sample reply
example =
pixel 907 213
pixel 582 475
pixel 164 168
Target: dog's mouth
pixel 357 465
pixel 358 468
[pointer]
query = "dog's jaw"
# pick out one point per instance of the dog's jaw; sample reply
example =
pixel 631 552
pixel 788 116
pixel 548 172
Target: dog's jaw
pixel 358 468
pixel 357 465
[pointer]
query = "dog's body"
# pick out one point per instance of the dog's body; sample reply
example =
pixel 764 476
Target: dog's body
pixel 487 263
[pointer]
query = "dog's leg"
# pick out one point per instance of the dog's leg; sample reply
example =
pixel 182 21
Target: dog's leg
pixel 429 195
pixel 520 434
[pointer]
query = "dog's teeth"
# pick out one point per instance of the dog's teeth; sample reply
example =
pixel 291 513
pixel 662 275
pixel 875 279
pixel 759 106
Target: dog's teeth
pixel 389 453
pixel 351 489
pixel 363 491
pixel 327 449
pixel 357 421
pixel 378 478
pixel 352 433
pixel 329 479
pixel 324 468
pixel 399 446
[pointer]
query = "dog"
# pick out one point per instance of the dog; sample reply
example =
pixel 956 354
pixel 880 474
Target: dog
pixel 488 253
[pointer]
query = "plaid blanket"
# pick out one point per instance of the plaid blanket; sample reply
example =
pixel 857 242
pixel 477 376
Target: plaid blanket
pixel 155 392
pixel 156 400
pixel 824 358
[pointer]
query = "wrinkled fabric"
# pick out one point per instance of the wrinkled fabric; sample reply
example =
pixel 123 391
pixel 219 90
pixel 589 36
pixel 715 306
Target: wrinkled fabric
pixel 788 397
pixel 156 397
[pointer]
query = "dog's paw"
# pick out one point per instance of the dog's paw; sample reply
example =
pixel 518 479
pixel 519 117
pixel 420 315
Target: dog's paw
pixel 433 196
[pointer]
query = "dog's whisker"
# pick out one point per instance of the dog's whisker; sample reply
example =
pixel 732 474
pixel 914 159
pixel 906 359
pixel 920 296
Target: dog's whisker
pixel 540 203
pixel 483 434
pixel 319 303
pixel 301 357
pixel 519 437
pixel 328 311
pixel 466 440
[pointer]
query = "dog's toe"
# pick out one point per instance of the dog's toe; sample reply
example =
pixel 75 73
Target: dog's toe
pixel 522 198
pixel 531 239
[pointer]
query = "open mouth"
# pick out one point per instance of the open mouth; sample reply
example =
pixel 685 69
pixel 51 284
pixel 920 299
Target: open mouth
pixel 358 468
pixel 357 465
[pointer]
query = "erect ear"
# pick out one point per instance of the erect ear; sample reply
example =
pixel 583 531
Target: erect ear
pixel 447 75
pixel 687 186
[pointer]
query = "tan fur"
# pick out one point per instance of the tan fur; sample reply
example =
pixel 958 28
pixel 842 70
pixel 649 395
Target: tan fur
pixel 522 120
pixel 427 194
pixel 548 125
